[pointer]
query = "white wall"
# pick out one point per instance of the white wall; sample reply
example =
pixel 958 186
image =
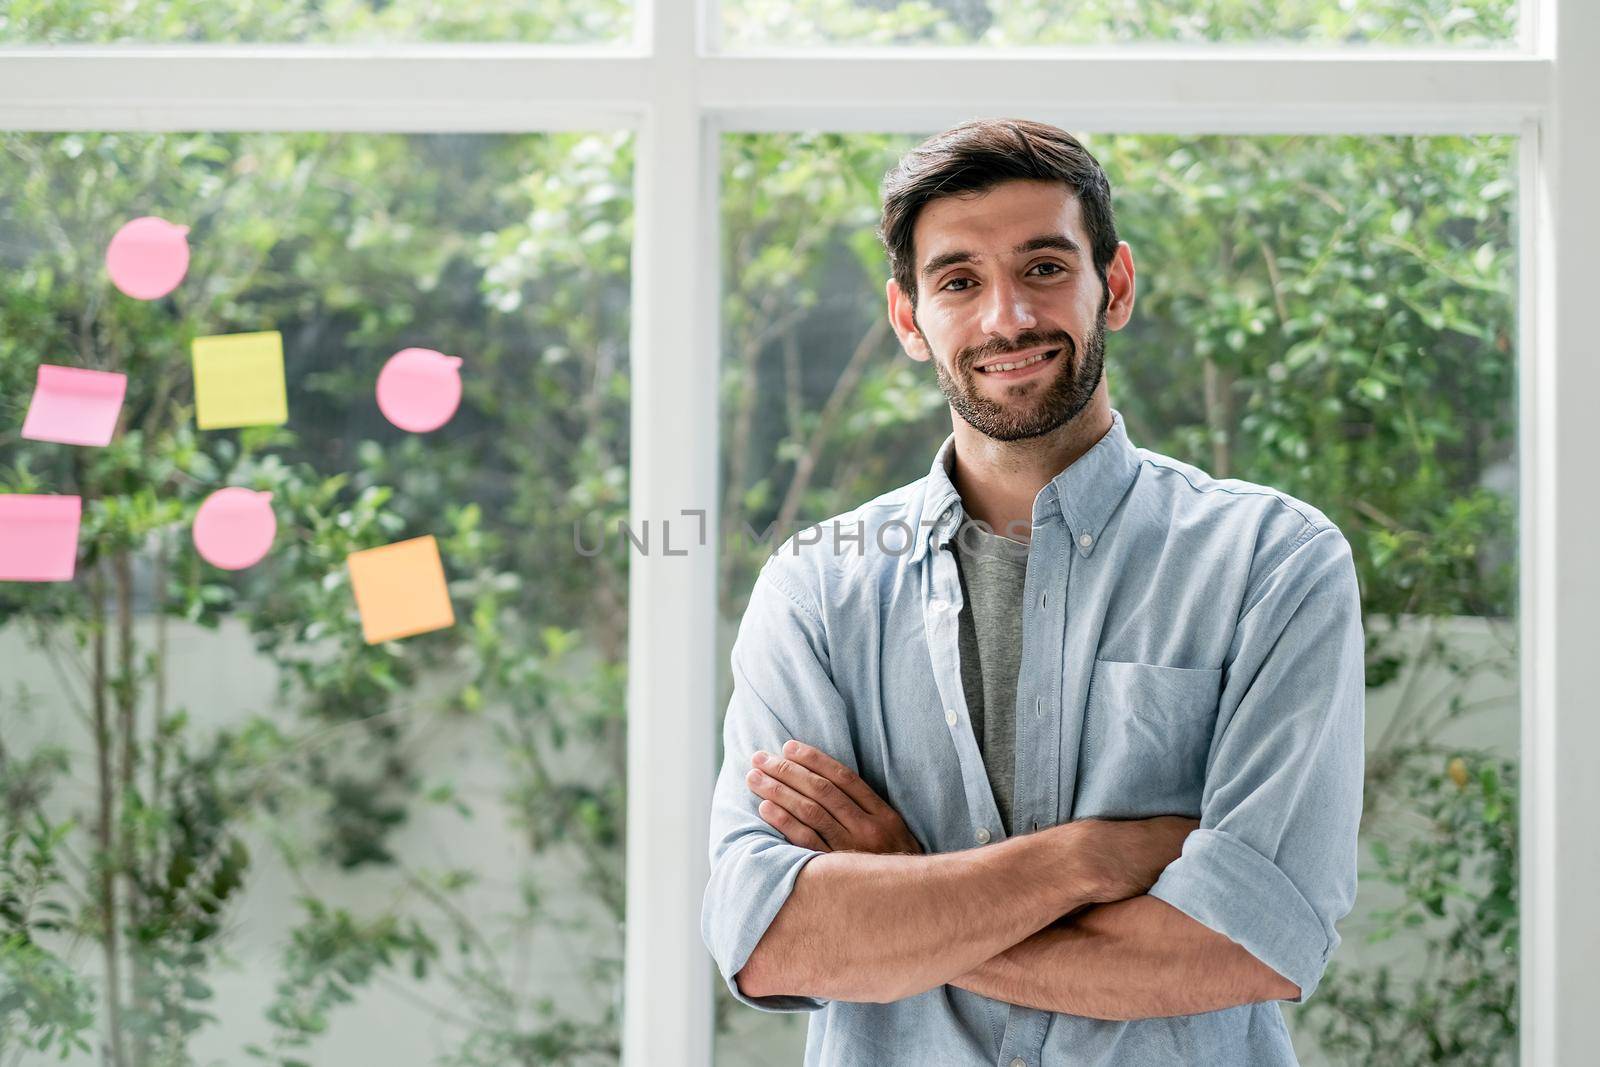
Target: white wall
pixel 223 681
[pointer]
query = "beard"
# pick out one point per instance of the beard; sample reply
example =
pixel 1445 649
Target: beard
pixel 1040 407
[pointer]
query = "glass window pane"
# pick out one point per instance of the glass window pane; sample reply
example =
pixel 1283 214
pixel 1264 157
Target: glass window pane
pixel 1333 316
pixel 296 21
pixel 224 809
pixel 1021 23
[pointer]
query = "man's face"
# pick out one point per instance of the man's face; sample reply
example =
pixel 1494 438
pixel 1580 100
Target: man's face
pixel 1004 277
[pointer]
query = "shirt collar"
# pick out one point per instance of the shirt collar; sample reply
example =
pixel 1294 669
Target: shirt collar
pixel 1087 491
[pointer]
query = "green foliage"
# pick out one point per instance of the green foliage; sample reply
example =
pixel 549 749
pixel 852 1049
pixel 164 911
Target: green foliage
pixel 1312 348
pixel 332 956
pixel 44 1005
pixel 175 21
pixel 1284 333
pixel 511 251
pixel 1018 23
pixel 1454 866
pixel 1333 316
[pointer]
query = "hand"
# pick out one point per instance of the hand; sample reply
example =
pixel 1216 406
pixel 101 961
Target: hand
pixel 817 802
pixel 1124 857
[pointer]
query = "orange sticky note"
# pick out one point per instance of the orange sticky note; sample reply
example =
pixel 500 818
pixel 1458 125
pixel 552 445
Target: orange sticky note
pixel 400 589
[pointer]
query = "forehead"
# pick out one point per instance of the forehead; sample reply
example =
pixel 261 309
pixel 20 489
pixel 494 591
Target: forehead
pixel 990 223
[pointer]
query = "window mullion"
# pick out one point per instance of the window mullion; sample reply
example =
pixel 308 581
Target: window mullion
pixel 1560 571
pixel 672 622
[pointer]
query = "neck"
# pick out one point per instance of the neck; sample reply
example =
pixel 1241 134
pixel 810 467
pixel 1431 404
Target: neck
pixel 999 480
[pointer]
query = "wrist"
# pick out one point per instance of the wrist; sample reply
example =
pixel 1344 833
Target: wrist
pixel 1082 879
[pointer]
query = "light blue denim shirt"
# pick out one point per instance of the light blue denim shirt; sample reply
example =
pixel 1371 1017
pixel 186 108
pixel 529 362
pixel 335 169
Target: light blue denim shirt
pixel 1191 646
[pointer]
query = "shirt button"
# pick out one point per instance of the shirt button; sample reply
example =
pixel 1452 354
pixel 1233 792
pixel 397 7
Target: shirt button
pixel 1019 1062
pixel 950 716
pixel 1086 540
pixel 983 835
pixel 936 605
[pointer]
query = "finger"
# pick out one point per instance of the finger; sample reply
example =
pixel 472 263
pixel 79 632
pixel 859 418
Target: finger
pixel 799 805
pixel 853 785
pixel 797 832
pixel 841 807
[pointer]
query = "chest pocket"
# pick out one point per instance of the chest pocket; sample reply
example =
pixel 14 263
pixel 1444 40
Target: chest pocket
pixel 1146 732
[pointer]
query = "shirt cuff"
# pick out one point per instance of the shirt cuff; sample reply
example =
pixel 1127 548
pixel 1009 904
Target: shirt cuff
pixel 748 887
pixel 1223 883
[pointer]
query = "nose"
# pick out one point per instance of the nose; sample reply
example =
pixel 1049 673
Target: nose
pixel 1007 309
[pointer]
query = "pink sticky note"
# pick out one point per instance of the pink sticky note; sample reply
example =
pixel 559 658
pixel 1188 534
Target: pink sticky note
pixel 148 257
pixel 234 528
pixel 419 389
pixel 38 537
pixel 74 406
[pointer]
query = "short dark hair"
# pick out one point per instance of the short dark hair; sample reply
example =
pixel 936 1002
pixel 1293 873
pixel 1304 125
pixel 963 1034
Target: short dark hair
pixel 977 156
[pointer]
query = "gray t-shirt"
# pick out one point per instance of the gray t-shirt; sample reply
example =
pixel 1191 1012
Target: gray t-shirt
pixel 992 570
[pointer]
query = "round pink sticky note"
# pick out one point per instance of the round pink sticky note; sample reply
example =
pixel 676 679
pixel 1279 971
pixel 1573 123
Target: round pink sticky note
pixel 419 389
pixel 234 528
pixel 148 257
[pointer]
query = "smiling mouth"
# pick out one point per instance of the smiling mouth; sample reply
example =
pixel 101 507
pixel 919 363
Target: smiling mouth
pixel 1021 364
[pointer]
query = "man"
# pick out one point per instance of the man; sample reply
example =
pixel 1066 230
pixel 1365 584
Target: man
pixel 1053 756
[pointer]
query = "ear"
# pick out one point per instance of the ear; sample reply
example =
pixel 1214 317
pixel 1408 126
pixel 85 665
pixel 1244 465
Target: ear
pixel 1120 284
pixel 903 318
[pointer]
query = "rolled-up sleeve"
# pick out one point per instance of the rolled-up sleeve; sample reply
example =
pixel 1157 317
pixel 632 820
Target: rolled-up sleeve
pixel 782 689
pixel 1272 865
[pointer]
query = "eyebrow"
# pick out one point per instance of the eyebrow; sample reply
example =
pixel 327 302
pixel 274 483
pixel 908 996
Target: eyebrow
pixel 1059 241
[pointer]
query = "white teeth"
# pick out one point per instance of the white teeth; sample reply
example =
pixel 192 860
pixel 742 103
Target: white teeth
pixel 1030 361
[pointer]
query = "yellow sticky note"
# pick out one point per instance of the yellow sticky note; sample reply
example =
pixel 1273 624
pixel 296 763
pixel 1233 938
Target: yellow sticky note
pixel 238 380
pixel 400 589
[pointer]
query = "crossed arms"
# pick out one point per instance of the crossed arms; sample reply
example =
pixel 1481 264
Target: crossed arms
pixel 1115 920
pixel 878 927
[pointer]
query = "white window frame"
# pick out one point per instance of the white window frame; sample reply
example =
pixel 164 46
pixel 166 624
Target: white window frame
pixel 672 88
